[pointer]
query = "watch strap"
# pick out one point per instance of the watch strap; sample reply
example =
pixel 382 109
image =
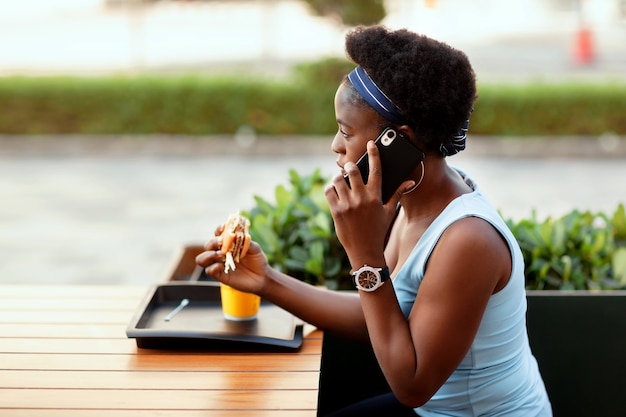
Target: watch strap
pixel 384 274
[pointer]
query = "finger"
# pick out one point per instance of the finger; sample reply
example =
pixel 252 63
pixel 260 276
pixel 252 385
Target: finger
pixel 212 262
pixel 354 175
pixel 219 229
pixel 216 271
pixel 375 178
pixel 341 187
pixel 331 194
pixel 214 243
pixel 209 257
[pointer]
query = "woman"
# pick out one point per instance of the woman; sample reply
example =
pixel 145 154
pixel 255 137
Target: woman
pixel 448 329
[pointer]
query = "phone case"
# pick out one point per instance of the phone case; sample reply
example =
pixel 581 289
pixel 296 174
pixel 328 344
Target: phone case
pixel 398 158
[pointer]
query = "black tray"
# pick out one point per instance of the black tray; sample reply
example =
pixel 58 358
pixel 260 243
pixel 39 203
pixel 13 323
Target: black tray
pixel 201 323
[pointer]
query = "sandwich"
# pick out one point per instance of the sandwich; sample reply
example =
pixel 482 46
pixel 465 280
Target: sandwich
pixel 235 240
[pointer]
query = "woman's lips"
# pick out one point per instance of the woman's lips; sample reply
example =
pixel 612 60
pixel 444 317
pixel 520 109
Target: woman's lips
pixel 343 172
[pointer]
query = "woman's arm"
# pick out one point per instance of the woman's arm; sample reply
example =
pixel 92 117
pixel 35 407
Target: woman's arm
pixel 335 311
pixel 469 263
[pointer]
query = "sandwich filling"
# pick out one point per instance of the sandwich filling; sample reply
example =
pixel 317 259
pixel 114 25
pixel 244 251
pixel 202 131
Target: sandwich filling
pixel 236 240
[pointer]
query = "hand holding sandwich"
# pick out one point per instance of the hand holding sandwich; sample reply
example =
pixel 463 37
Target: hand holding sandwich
pixel 233 258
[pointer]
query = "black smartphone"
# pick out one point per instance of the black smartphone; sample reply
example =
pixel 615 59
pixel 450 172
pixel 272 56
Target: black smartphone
pixel 398 158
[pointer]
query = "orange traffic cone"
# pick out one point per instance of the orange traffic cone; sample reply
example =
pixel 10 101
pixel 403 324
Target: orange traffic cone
pixel 583 46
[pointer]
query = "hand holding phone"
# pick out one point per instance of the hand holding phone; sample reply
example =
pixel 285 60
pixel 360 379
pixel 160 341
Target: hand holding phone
pixel 398 158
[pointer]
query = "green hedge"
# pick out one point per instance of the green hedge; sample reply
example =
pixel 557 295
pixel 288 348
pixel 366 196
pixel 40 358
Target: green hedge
pixel 550 109
pixel 302 104
pixel 174 105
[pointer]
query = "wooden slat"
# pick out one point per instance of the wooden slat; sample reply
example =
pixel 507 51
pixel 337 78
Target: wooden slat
pixel 103 346
pixel 66 317
pixel 160 400
pixel 160 362
pixel 78 330
pixel 73 291
pixel 158 380
pixel 155 413
pixel 69 304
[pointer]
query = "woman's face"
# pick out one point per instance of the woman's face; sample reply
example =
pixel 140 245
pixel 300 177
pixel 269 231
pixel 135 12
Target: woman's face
pixel 357 126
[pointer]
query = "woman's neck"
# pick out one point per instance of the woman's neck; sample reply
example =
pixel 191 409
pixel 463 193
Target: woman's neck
pixel 440 185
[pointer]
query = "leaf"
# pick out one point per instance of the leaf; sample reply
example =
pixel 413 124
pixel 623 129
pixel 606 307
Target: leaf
pixel 545 232
pixel 294 179
pixel 319 197
pixel 599 242
pixel 324 222
pixel 315 263
pixel 283 198
pixel 559 238
pixel 298 253
pixel 567 267
pixel 262 206
pixel 292 265
pixel 619 224
pixel 619 266
pixel 332 267
pixel 262 232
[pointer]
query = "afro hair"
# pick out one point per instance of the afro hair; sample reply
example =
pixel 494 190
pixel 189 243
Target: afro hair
pixel 432 84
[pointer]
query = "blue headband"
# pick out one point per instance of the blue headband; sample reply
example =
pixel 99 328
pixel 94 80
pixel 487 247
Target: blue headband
pixel 375 97
pixel 379 101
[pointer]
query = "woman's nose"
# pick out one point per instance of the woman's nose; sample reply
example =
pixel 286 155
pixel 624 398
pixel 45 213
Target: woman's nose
pixel 337 145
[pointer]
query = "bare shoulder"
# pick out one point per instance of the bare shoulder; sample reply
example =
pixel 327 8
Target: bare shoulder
pixel 473 232
pixel 473 245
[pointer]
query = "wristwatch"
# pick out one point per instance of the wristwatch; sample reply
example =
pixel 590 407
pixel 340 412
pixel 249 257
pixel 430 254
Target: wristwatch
pixel 369 279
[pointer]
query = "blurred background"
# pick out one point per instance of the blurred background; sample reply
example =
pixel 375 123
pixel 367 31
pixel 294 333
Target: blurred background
pixel 534 38
pixel 101 205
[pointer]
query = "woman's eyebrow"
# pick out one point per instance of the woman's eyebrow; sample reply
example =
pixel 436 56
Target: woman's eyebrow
pixel 342 123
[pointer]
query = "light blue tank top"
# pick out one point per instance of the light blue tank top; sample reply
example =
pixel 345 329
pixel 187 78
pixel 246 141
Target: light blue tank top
pixel 499 375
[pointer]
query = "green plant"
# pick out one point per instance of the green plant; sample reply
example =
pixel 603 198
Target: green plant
pixel 297 232
pixel 578 251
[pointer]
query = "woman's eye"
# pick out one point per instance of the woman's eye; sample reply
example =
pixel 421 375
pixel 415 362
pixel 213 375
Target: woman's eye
pixel 343 133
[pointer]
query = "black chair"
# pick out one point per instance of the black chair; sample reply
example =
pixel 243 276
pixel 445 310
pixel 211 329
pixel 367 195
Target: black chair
pixel 579 340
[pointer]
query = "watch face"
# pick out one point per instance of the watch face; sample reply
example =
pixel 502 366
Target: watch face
pixel 368 279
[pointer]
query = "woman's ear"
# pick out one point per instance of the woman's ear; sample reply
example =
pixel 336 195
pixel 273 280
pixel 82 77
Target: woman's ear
pixel 407 132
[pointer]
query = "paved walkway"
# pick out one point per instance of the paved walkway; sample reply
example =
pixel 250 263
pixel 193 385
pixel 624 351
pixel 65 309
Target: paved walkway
pixel 115 213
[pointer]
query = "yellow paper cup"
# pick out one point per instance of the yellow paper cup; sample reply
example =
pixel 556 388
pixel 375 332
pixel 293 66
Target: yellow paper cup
pixel 238 305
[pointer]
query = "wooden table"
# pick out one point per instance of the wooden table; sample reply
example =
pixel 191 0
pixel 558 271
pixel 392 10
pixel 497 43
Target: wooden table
pixel 64 352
